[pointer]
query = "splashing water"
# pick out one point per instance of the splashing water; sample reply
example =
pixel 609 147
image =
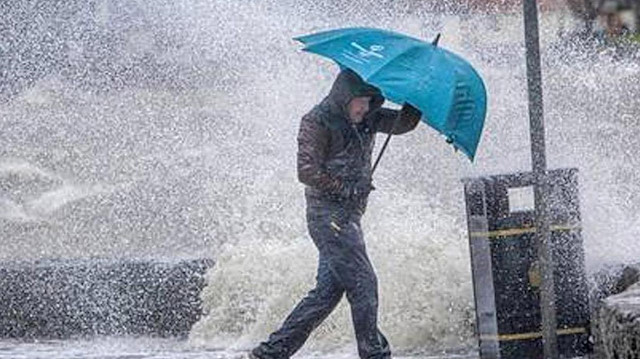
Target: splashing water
pixel 178 140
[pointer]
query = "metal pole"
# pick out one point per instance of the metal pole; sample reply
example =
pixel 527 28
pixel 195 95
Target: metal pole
pixel 536 123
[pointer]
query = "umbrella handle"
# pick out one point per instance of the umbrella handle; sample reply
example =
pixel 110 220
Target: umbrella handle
pixel 386 142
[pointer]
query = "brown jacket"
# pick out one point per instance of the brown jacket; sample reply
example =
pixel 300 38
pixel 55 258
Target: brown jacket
pixel 331 150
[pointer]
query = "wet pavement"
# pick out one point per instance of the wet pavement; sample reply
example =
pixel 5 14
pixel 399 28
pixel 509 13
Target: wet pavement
pixel 152 348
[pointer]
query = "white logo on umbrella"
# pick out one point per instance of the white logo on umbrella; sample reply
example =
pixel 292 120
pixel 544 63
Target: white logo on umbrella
pixel 372 51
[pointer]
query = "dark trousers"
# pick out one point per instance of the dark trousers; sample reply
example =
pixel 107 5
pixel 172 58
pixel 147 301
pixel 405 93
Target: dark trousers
pixel 343 267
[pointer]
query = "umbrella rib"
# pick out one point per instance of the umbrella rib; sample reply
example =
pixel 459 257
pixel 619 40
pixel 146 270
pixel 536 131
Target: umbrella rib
pixel 332 38
pixel 388 62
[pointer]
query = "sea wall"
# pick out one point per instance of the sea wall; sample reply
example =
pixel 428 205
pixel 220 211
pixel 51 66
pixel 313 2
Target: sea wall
pixel 616 316
pixel 71 298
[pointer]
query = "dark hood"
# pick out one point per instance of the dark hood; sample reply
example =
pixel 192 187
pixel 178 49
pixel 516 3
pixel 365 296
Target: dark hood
pixel 347 86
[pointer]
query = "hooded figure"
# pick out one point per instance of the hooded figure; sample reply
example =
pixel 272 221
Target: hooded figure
pixel 335 144
pixel 334 153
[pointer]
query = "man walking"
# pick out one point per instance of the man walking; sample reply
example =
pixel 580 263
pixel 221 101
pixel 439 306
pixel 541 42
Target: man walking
pixel 335 144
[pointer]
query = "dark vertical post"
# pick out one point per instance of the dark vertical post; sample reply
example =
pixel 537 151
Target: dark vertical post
pixel 536 121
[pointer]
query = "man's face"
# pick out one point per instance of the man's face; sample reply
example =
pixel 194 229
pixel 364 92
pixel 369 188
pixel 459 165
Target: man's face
pixel 358 107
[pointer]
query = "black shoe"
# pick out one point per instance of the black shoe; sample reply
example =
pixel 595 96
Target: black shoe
pixel 247 355
pixel 251 354
pixel 256 354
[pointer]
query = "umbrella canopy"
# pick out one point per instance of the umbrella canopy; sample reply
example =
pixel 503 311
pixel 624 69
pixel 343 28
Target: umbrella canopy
pixel 443 86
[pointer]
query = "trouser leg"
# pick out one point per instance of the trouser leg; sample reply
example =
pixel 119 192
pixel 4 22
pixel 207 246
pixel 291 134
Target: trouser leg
pixel 348 260
pixel 343 266
pixel 305 317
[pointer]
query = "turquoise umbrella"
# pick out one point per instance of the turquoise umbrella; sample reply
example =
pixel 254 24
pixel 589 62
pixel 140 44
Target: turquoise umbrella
pixel 443 86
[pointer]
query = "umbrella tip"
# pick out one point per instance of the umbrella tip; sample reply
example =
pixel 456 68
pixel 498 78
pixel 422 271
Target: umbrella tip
pixel 436 40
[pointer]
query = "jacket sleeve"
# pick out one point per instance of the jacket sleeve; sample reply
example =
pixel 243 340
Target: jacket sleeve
pixel 313 146
pixel 407 119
